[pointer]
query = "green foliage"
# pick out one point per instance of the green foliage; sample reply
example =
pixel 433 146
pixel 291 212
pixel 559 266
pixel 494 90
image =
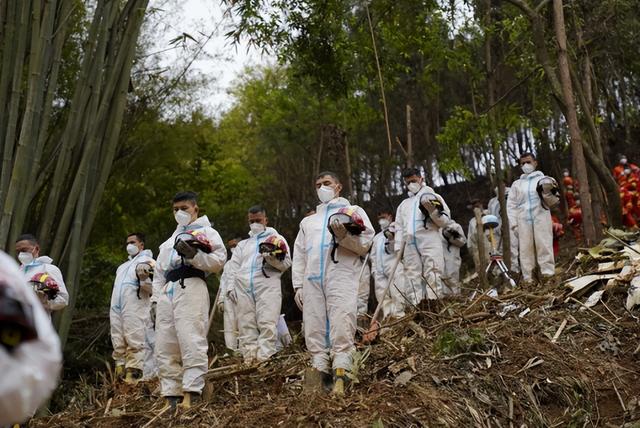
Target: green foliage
pixel 454 342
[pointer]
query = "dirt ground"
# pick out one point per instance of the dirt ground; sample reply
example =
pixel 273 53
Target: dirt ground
pixel 529 357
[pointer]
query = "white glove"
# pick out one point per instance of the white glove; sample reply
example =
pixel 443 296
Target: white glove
pixel 338 229
pixel 143 270
pixel 232 296
pixel 298 298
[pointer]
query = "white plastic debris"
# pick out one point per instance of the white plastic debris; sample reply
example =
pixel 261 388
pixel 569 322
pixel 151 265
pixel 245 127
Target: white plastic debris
pixel 524 313
pixel 505 309
pixel 592 300
pixel 633 298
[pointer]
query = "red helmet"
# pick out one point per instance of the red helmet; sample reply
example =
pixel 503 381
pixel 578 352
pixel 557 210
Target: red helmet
pixel 197 239
pixel 274 245
pixel 45 283
pixel 350 218
pixel 17 323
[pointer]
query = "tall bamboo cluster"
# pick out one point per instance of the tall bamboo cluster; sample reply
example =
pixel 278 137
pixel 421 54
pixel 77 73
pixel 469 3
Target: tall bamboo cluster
pixel 54 177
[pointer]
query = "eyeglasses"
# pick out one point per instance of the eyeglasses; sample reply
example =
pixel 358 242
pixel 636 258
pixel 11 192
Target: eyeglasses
pixel 131 242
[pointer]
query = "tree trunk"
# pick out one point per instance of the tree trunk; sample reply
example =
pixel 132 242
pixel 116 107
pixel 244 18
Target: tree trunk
pixel 588 221
pixel 495 144
pixel 599 167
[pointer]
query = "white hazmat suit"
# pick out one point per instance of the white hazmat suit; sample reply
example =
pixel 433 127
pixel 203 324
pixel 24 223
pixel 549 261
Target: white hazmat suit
pixel 423 254
pixel 494 209
pixel 473 244
pixel 131 333
pixel 229 315
pixel 531 223
pixel 383 257
pixel 453 239
pixel 364 289
pixel 329 290
pixel 30 370
pixel 183 312
pixel 43 264
pixel 259 295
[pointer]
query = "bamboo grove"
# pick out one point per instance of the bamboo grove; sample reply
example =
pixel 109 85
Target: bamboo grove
pixel 60 132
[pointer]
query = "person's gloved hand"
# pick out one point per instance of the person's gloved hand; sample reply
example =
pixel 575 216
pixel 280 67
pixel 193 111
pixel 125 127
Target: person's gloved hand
pixel 146 286
pixel 428 205
pixel 152 314
pixel 338 229
pixel 447 233
pixel 185 250
pixel 232 296
pixel 298 298
pixel 270 258
pixel 142 271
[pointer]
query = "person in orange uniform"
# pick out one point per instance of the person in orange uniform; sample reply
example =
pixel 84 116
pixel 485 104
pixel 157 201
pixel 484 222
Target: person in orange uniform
pixel 558 232
pixel 619 169
pixel 575 219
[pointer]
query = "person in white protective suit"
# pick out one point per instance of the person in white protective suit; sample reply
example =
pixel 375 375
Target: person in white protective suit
pixel 254 285
pixel 41 274
pixel 326 264
pixel 180 301
pixel 226 306
pixel 364 289
pixel 472 237
pixel 132 334
pixel 530 221
pixel 494 209
pixel 418 222
pixel 453 239
pixel 383 257
pixel 30 354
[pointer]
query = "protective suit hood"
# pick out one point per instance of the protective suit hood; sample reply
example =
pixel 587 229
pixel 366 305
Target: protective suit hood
pixel 146 253
pixel 268 231
pixel 43 259
pixel 536 173
pixel 335 201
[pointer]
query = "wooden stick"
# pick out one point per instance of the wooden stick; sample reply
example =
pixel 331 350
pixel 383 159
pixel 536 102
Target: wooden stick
pixel 559 331
pixel 384 98
pixel 592 311
pixel 622 242
pixel 108 406
pixel 162 412
pixel 624 408
pixel 213 310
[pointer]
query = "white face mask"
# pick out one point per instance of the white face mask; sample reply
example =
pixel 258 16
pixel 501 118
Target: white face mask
pixel 25 258
pixel 566 173
pixel 182 217
pixel 623 161
pixel 132 250
pixel 384 223
pixel 232 249
pixel 326 193
pixel 527 168
pixel 257 228
pixel 414 187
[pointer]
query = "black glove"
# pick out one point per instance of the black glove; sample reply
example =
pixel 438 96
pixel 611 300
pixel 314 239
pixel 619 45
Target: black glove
pixel 152 314
pixel 185 250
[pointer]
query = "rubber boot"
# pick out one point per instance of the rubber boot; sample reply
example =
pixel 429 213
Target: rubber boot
pixel 190 399
pixel 133 376
pixel 313 381
pixel 339 382
pixel 173 401
pixel 119 372
pixel 327 381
